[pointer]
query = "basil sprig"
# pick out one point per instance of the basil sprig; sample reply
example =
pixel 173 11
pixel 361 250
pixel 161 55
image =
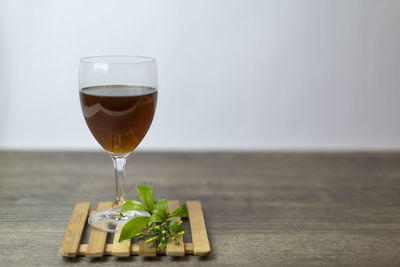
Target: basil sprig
pixel 156 228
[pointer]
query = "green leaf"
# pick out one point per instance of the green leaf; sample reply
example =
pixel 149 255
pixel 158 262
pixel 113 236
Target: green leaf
pixel 181 211
pixel 155 218
pixel 162 204
pixel 175 226
pixel 161 213
pixel 146 194
pixel 132 205
pixel 133 227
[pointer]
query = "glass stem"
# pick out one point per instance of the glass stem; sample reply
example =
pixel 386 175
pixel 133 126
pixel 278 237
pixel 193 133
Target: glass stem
pixel 119 168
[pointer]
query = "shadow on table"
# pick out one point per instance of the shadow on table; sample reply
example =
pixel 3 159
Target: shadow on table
pixel 138 258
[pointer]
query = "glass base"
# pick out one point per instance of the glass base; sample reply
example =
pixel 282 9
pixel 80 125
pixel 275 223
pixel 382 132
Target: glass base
pixel 108 220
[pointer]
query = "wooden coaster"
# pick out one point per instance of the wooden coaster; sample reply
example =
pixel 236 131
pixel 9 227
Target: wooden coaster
pixel 97 245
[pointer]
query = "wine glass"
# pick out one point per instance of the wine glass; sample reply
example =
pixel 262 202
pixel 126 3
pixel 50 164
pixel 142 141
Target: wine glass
pixel 118 96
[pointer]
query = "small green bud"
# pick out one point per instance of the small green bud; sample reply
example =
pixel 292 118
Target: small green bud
pixel 163 232
pixel 151 239
pixel 157 227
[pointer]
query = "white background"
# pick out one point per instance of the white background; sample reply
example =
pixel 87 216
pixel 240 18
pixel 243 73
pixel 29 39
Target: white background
pixel 233 75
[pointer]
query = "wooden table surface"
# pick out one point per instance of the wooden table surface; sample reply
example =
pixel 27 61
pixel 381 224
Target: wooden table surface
pixel 272 209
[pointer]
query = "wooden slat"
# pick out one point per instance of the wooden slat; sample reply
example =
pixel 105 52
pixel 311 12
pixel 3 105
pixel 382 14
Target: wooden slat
pixel 174 249
pixel 147 249
pixel 70 245
pixel 134 249
pixel 82 250
pixel 189 248
pixel 201 245
pixel 121 249
pixel 97 239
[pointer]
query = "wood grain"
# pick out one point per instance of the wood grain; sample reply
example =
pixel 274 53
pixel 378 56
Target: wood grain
pixel 123 248
pixel 174 249
pixel 201 245
pixel 134 249
pixel 261 209
pixel 70 244
pixel 147 249
pixel 97 239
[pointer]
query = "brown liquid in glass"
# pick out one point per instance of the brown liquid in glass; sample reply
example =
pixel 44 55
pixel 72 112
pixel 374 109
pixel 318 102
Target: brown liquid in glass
pixel 118 116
